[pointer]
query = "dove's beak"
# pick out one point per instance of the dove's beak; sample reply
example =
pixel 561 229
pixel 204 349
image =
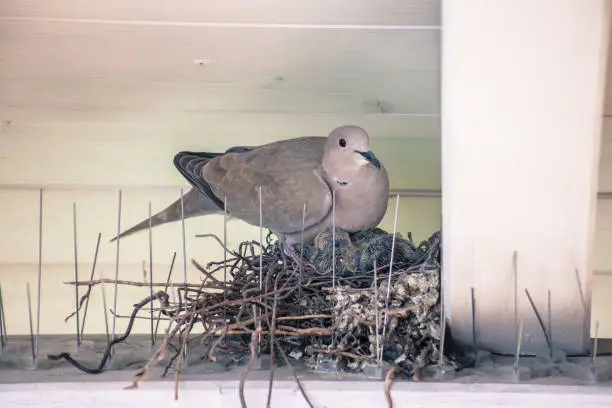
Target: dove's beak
pixel 369 156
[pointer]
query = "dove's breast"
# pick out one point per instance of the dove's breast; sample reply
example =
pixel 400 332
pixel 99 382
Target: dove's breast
pixel 362 204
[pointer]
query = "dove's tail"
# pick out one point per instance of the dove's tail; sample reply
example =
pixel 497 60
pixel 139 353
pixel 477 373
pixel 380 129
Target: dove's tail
pixel 200 200
pixel 194 204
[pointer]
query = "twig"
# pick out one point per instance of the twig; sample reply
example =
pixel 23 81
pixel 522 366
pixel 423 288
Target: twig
pixel 388 382
pixel 245 373
pixel 130 283
pixel 115 340
pixel 295 376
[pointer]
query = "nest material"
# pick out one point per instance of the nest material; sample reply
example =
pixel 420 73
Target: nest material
pixel 302 308
pixel 325 316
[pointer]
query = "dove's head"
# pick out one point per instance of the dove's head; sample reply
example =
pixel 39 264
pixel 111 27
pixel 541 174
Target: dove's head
pixel 347 151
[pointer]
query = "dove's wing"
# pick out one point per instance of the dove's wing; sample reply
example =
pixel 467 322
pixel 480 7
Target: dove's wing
pixel 288 172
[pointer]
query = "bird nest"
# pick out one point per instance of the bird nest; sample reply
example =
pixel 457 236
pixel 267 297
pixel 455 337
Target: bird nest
pixel 349 310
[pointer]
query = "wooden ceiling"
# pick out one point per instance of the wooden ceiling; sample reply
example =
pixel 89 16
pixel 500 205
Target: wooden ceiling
pixel 147 78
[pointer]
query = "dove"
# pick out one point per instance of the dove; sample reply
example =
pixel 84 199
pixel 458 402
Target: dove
pixel 290 174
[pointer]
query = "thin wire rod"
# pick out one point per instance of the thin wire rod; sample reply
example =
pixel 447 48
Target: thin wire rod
pixel 184 241
pixel 225 260
pixel 91 277
pixel 549 309
pixel 151 318
pixel 76 275
pixel 33 346
pixel 260 266
pixel 333 238
pixel 3 333
pixel 105 308
pixel 39 282
pixel 516 296
pixel 165 289
pixel 519 340
pixel 184 265
pixel 302 254
pixel 474 338
pixel 595 345
pixel 376 312
pixel 397 197
pixel 117 266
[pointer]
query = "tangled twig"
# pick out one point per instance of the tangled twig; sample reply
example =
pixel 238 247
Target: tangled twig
pixel 299 311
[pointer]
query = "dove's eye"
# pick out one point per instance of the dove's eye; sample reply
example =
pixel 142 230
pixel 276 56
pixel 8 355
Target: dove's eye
pixel 342 142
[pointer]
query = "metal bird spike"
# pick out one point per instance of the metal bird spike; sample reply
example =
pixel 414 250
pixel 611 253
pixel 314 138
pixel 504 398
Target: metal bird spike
pixel 184 266
pixel 91 277
pixel 377 313
pixel 165 289
pixel 397 197
pixel 39 282
pixel 517 354
pixel 579 284
pixel 105 309
pixel 151 318
pixel 116 267
pixel 442 322
pixel 260 267
pixel 516 296
pixel 31 324
pixel 225 260
pixel 474 338
pixel 540 321
pixel 595 345
pixel 184 242
pixel 76 275
pixel 3 333
pixel 333 238
pixel 302 255
pixel 550 336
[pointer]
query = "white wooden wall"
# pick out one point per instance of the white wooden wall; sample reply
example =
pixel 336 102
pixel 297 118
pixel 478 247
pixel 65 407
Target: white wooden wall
pixel 98 95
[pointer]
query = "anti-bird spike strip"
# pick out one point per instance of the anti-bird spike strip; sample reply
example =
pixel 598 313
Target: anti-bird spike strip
pixel 39 281
pixel 76 276
pixel 91 277
pixel 116 267
pixel 151 318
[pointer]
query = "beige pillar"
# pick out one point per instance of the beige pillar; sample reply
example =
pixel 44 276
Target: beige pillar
pixel 522 97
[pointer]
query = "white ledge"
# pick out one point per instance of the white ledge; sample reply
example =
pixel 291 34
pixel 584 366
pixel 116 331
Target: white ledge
pixel 336 394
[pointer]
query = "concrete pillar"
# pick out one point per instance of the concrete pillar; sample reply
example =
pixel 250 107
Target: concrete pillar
pixel 522 98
